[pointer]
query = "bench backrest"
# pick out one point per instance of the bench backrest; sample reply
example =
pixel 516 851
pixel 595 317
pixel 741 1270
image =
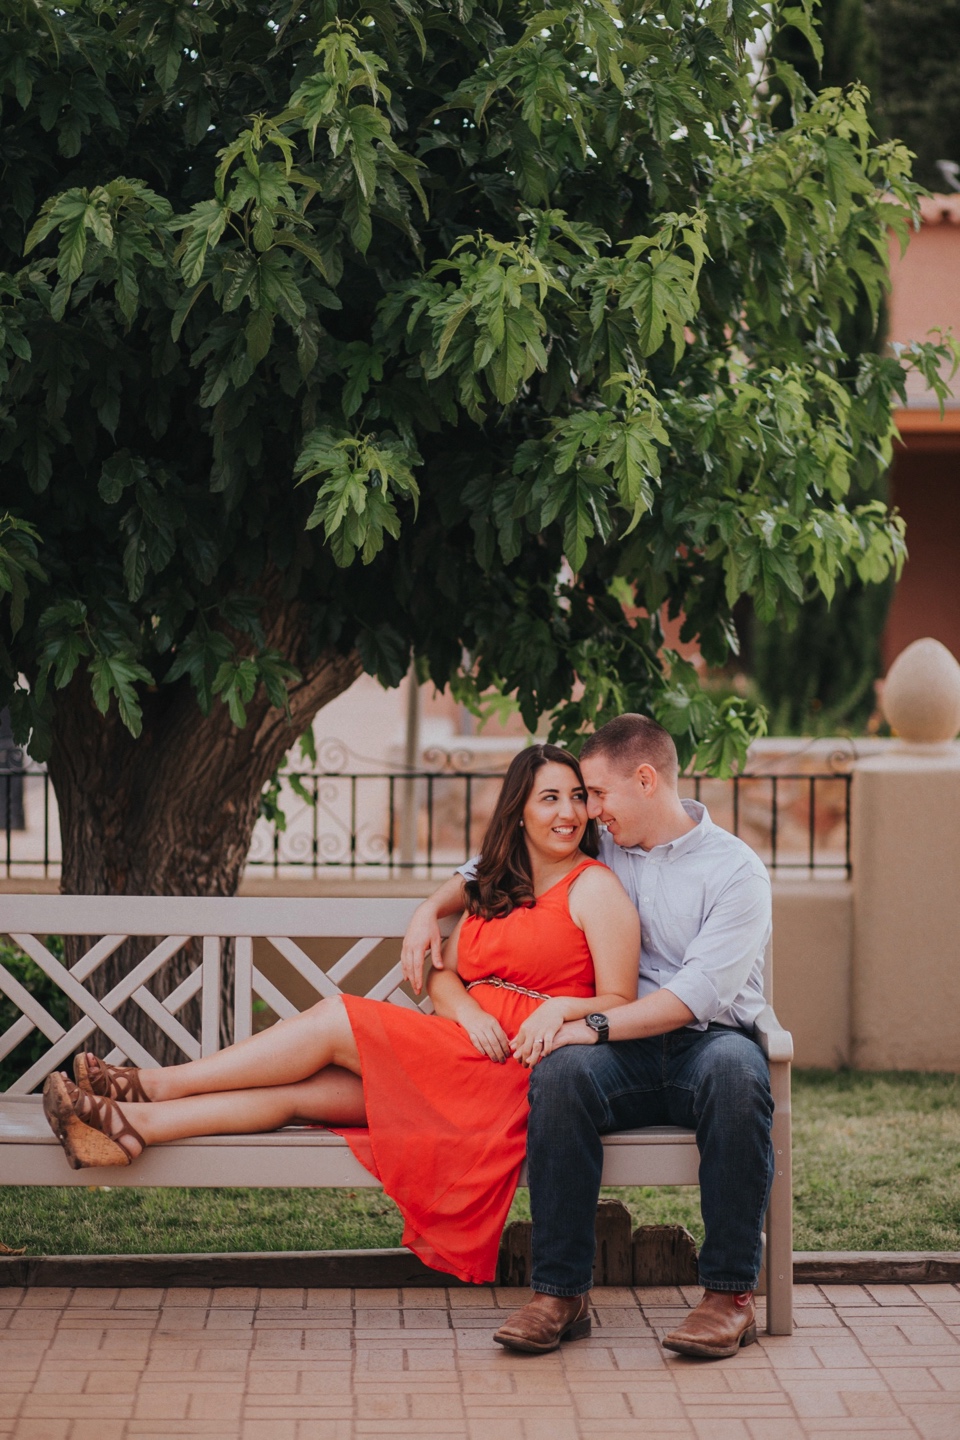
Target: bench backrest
pixel 173 921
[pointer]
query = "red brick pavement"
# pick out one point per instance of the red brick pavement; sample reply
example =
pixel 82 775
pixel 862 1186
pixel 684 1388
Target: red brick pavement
pixel 865 1363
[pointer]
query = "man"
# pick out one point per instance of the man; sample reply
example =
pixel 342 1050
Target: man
pixel 683 1053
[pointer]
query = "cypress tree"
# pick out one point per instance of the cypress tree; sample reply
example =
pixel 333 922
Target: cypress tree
pixel 917 97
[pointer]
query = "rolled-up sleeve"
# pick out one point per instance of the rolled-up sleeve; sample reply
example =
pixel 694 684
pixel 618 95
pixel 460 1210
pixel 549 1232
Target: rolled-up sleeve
pixel 718 962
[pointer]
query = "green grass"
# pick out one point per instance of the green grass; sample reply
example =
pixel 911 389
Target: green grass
pixel 876 1167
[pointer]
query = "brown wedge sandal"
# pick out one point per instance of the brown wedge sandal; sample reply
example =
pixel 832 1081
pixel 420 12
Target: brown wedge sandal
pixel 91 1129
pixel 116 1082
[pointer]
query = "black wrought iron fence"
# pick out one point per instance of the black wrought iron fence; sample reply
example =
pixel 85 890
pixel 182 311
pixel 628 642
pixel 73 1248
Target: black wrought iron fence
pixel 795 821
pixel 427 821
pixel 28 814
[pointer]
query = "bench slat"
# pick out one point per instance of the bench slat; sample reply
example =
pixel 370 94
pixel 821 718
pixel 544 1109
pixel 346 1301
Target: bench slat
pixel 204 915
pixel 297 1156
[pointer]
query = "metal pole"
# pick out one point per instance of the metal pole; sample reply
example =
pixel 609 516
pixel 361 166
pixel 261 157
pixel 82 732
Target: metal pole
pixel 411 755
pixel 811 855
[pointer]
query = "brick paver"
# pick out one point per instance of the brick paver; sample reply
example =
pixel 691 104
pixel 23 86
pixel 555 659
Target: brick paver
pixel 865 1363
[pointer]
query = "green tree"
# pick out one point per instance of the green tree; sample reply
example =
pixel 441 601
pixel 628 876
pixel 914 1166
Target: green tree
pixel 343 332
pixel 848 51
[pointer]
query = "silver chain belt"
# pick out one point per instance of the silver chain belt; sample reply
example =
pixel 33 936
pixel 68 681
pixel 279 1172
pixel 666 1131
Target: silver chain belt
pixel 499 984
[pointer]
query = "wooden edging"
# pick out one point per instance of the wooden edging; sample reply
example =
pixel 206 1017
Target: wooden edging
pixel 876 1267
pixel 375 1269
pixel 289 1269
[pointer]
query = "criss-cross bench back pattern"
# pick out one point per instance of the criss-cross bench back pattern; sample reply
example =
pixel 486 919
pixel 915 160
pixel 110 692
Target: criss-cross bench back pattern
pixel 351 930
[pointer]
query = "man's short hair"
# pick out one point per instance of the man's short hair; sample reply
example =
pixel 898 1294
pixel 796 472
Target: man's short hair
pixel 634 740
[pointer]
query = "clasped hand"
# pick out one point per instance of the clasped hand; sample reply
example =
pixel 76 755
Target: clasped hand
pixel 537 1034
pixel 533 1040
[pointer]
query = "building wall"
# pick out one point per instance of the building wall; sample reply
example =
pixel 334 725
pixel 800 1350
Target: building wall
pixel 926 490
pixel 925 478
pixel 925 282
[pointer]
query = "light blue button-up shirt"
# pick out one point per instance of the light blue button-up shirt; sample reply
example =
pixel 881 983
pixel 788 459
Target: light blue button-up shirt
pixel 704 903
pixel 705 919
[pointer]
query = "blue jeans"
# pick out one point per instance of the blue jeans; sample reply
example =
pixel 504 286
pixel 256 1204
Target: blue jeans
pixel 713 1081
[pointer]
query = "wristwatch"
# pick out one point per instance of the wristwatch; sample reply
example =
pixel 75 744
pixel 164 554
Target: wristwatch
pixel 600 1026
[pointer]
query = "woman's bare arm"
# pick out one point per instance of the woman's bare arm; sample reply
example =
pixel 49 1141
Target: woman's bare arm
pixel 655 1014
pixel 452 1000
pixel 602 909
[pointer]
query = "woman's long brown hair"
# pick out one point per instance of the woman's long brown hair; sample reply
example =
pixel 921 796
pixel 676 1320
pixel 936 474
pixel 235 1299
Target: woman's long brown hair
pixel 504 878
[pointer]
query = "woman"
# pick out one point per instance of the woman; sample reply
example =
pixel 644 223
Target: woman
pixel 436 1105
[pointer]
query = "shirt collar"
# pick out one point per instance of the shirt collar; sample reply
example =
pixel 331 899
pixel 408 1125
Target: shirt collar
pixel 699 814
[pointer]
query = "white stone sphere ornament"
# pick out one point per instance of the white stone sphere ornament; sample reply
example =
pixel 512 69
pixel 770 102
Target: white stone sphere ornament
pixel 921 694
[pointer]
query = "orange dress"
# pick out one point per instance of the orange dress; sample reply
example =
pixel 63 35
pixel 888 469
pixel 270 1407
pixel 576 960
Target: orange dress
pixel 447 1127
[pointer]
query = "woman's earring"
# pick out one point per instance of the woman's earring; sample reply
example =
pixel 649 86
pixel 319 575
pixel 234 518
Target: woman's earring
pixel 521 824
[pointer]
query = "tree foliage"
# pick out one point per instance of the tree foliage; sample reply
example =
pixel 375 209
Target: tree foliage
pixel 475 331
pixel 819 675
pixel 844 51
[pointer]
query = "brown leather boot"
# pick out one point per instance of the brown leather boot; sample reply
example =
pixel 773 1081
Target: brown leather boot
pixel 544 1322
pixel 719 1325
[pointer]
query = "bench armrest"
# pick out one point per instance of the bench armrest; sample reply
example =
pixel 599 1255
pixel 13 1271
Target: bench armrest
pixel 775 1042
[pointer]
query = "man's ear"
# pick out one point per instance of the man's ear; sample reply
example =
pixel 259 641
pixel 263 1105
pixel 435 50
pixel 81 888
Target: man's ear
pixel 648 779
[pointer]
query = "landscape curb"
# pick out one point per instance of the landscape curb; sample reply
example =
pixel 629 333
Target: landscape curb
pixel 876 1267
pixel 389 1269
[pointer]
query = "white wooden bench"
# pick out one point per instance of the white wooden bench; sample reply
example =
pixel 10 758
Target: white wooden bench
pixel 294 1156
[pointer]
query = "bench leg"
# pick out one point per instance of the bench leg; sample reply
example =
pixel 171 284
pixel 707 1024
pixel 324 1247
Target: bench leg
pixel 779 1256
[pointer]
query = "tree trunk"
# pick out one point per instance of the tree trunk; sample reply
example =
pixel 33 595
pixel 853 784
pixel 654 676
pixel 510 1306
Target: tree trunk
pixel 173 812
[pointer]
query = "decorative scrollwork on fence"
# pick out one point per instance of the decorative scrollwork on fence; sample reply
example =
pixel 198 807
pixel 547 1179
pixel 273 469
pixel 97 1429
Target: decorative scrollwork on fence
pixel 333 756
pixel 451 762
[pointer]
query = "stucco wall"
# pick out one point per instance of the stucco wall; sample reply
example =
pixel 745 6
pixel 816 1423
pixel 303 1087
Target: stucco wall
pixel 905 989
pixel 812 950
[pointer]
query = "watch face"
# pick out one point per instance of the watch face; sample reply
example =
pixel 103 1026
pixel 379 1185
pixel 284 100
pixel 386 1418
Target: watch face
pixel 597 1022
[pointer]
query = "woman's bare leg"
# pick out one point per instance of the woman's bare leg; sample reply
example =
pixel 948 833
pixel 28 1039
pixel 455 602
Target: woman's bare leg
pixel 290 1051
pixel 333 1097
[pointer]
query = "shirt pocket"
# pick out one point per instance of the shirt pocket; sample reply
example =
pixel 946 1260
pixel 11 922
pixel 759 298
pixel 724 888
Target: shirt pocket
pixel 682 897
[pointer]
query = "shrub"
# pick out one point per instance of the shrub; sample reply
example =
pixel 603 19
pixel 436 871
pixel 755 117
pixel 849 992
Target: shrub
pixel 50 996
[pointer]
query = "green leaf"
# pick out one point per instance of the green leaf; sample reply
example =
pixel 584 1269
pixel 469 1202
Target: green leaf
pixel 19 545
pixel 118 473
pixel 364 364
pixel 259 334
pixel 802 18
pixel 199 656
pixel 112 674
pixel 202 226
pixel 383 653
pixel 235 683
pixel 276 674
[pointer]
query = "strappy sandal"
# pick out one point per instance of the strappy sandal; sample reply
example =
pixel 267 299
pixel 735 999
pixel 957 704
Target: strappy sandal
pixel 116 1082
pixel 91 1128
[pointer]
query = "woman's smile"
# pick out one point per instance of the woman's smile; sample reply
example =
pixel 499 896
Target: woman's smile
pixel 557 788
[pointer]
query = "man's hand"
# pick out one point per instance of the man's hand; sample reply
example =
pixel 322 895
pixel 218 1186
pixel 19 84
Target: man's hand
pixel 486 1034
pixel 536 1035
pixel 574 1032
pixel 422 938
